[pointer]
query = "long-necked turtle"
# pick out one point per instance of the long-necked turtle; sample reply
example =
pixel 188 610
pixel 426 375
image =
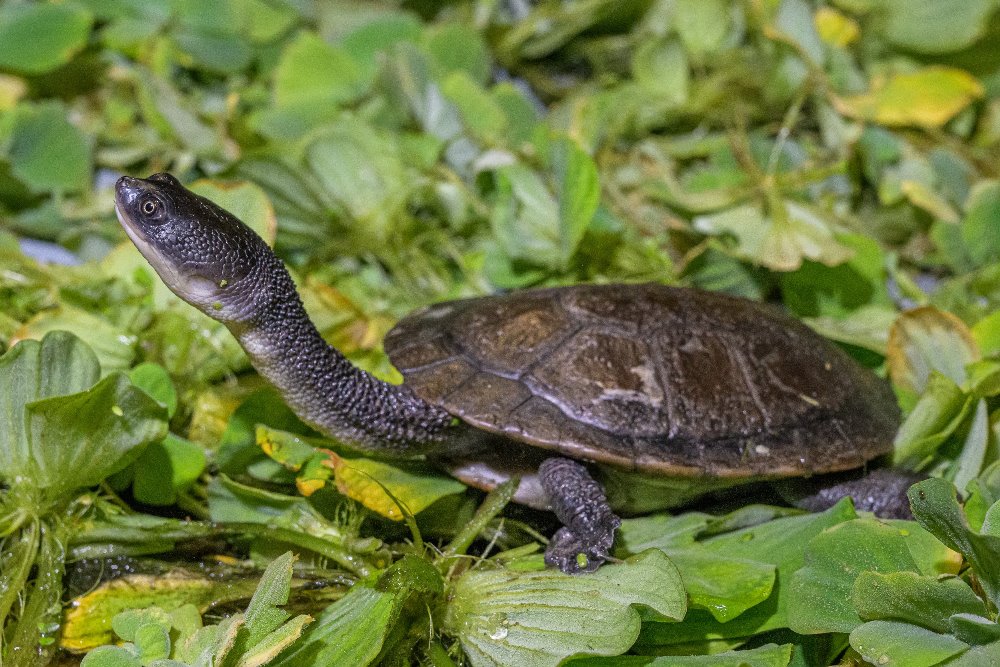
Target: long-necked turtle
pixel 664 393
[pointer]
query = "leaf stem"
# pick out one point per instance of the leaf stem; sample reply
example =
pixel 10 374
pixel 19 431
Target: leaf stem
pixel 493 505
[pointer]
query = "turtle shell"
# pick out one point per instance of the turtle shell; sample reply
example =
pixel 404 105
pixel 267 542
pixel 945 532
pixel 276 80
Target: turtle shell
pixel 650 378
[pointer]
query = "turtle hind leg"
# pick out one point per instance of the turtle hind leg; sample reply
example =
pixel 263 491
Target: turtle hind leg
pixel 580 504
pixel 881 491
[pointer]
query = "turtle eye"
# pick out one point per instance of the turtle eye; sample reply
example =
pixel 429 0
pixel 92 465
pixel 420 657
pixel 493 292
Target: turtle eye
pixel 151 208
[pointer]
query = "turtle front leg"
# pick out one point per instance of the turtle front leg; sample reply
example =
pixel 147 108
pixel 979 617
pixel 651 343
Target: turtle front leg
pixel 589 525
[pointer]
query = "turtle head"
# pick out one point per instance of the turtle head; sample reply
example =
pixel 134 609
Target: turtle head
pixel 203 253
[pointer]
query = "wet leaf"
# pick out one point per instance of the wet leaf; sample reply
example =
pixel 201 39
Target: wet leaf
pixel 919 599
pixel 781 542
pixel 503 617
pixel 769 655
pixel 821 590
pixel 892 643
pixel 59 438
pixel 114 347
pixel 936 508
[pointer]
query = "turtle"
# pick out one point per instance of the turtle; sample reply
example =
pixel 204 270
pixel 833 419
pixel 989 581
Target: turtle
pixel 602 399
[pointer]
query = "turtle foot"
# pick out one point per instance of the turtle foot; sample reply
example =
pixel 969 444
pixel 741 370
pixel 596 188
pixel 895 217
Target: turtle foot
pixel 590 524
pixel 573 555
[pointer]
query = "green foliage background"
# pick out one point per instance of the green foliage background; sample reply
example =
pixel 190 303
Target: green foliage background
pixel 838 157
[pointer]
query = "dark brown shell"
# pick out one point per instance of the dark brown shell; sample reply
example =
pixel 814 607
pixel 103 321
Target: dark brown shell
pixel 651 378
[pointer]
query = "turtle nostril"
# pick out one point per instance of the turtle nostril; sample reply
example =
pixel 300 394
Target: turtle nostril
pixel 127 185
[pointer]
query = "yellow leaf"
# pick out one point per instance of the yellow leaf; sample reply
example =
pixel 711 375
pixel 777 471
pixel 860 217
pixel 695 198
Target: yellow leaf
pixel 834 28
pixel 12 89
pixel 382 488
pixel 924 197
pixel 927 98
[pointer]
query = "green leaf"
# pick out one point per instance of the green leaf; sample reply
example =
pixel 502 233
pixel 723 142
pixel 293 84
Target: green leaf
pixel 924 340
pixel 938 413
pixel 153 642
pixel 701 24
pixel 980 228
pixel 61 438
pixel 779 241
pixel 768 655
pixel 359 168
pixel 781 542
pixel 525 217
pixel 212 51
pixel 153 379
pixel 661 531
pixel 458 48
pixel 508 618
pixel 352 630
pixel 928 601
pixel 974 629
pixel 272 644
pixel 262 614
pixel 61 364
pixel 266 629
pixel 110 656
pixel 661 67
pixel 115 349
pixel 238 444
pixel 172 114
pixel 541 222
pixel 39 37
pixel 127 624
pixel 46 151
pixel 974 449
pixel 267 21
pixel 821 590
pixel 716 582
pixel 70 452
pixel 166 468
pixel 316 75
pixel 724 586
pixel 903 645
pixel 578 188
pixel 957 24
pixel 986 333
pixel 820 290
pixel 936 508
pixel 480 112
pixel 867 327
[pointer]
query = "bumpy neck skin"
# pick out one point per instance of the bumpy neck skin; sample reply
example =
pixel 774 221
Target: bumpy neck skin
pixel 323 388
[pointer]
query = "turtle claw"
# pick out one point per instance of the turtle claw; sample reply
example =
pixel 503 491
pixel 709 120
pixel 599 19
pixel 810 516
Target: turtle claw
pixel 573 555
